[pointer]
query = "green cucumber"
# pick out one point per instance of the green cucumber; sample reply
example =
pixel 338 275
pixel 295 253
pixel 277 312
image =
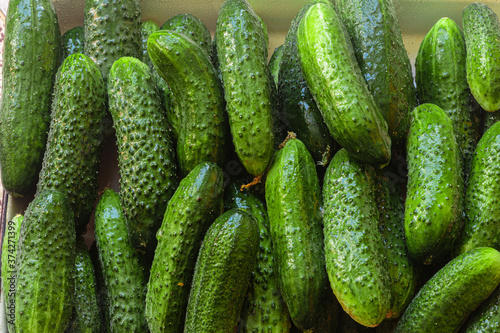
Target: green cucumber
pixel 242 57
pixel 338 87
pixel 72 41
pixel 354 250
pixel 482 206
pixel 46 265
pixel 146 156
pixel 486 318
pixel 124 276
pixel 482 39
pixel 275 62
pixel 227 256
pixel 192 27
pixel 196 203
pixel 489 119
pixel 73 155
pixel 31 57
pixel 441 80
pixel 293 197
pixel 445 301
pixel 147 28
pixel 434 200
pixel 198 92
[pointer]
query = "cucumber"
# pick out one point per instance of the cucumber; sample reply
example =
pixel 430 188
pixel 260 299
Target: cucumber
pixel 194 206
pixel 434 200
pixel 293 197
pixel 73 155
pixel 482 211
pixel 445 301
pixel 242 57
pixel 31 56
pixel 489 119
pixel 9 254
pixel 264 309
pixel 193 28
pixel 338 87
pixel 441 80
pixel 354 250
pixel 46 265
pixel 223 270
pixel 147 28
pixel 275 62
pixel 198 92
pixel 486 318
pixel 146 156
pixel 72 41
pixel 124 277
pixel 482 39
pixel 112 30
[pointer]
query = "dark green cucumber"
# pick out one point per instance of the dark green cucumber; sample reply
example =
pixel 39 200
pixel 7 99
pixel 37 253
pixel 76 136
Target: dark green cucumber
pixel 222 275
pixel 442 80
pixel 192 27
pixel 31 57
pixel 275 62
pixel 9 276
pixel 338 87
pixel 482 39
pixel 146 155
pixel 298 108
pixel 72 41
pixel 112 30
pixel 196 203
pixel 242 57
pixel 147 28
pixel 434 200
pixel 46 265
pixel 482 204
pixel 264 309
pixel 329 319
pixel 489 119
pixel 354 250
pixel 198 92
pixel 124 276
pixel 378 45
pixel 445 301
pixel 293 197
pixel 486 318
pixel 73 155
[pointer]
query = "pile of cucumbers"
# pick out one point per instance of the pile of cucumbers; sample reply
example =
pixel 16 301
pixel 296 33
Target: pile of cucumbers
pixel 329 189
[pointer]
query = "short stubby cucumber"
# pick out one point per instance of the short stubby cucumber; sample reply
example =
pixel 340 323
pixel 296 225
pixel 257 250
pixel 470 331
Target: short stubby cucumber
pixel 434 200
pixel 196 203
pixel 442 80
pixel 73 155
pixel 376 36
pixel 199 96
pixel 293 197
pixel 31 56
pixel 146 155
pixel 482 39
pixel 45 265
pixel 486 318
pixel 338 87
pixel 482 204
pixel 123 273
pixel 227 256
pixel 354 250
pixel 193 28
pixel 445 301
pixel 242 58
pixel 72 41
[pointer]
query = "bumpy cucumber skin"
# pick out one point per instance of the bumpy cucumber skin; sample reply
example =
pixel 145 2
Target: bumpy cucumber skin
pixel 482 38
pixel 147 28
pixel 45 265
pixel 72 41
pixel 264 309
pixel 445 301
pixel 482 204
pixel 199 95
pixel 298 109
pixel 486 318
pixel 73 155
pixel 223 270
pixel 293 197
pixel 9 253
pixel 31 57
pixel 112 30
pixel 275 62
pixel 146 156
pixel 124 276
pixel 378 45
pixel 242 57
pixel 489 119
pixel 335 80
pixel 354 250
pixel 196 203
pixel 434 201
pixel 442 80
pixel 192 27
